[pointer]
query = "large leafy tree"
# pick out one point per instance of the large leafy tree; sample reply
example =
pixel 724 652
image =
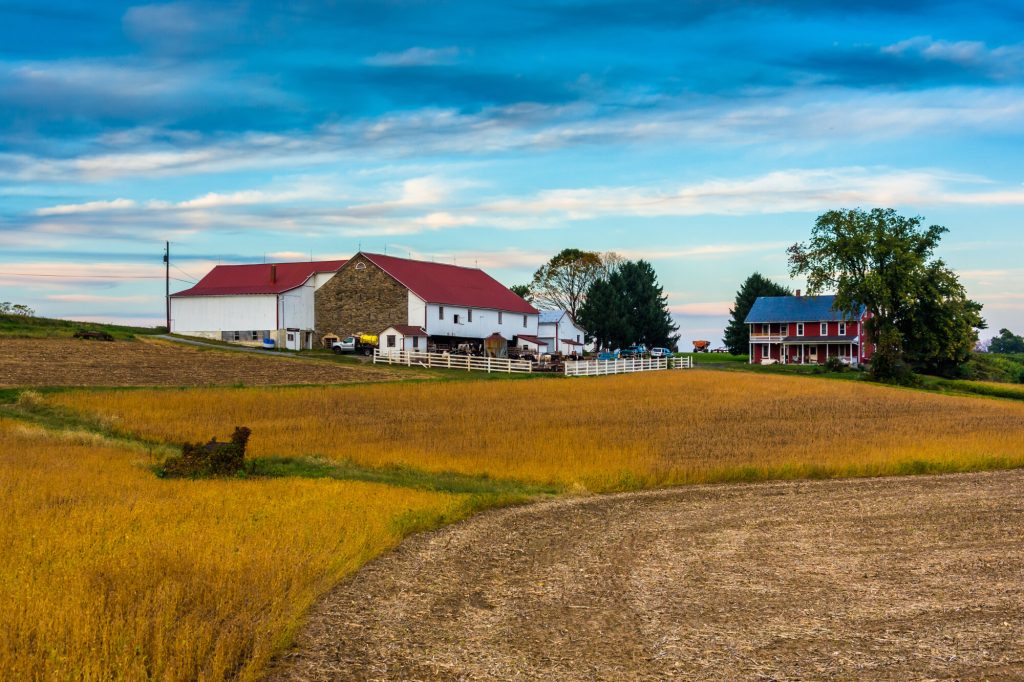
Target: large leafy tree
pixel 737 333
pixel 628 307
pixel 884 261
pixel 562 283
pixel 1006 342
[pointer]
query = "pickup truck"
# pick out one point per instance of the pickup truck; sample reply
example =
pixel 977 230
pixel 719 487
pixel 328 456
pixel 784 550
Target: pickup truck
pixel 359 343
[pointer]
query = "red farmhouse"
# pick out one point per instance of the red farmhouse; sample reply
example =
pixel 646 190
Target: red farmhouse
pixel 797 330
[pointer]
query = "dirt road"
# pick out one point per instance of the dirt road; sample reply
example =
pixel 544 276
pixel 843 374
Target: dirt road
pixel 901 578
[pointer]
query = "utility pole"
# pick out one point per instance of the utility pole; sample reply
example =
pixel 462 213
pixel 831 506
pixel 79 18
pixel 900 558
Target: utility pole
pixel 167 282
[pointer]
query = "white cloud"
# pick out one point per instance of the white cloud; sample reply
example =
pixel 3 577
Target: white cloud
pixel 786 191
pixel 415 56
pixel 87 207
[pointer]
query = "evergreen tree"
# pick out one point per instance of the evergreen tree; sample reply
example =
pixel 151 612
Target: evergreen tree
pixel 737 333
pixel 628 307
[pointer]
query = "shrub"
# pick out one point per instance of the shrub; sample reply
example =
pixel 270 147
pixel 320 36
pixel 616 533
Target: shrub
pixel 834 364
pixel 211 459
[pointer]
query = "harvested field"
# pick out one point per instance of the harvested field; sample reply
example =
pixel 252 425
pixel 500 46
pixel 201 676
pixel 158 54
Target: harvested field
pixel 151 362
pixel 620 432
pixel 891 579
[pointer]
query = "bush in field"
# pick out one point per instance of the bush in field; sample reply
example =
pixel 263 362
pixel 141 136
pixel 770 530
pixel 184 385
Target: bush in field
pixel 834 364
pixel 210 459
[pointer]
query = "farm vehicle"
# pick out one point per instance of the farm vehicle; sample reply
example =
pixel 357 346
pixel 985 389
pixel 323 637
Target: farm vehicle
pixel 364 344
pixel 701 346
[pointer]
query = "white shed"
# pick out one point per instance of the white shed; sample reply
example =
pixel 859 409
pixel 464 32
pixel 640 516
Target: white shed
pixel 402 337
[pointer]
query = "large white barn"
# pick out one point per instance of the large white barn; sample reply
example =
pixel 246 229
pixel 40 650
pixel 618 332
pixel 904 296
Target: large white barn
pixel 249 303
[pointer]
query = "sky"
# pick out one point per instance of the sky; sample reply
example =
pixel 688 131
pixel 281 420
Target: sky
pixel 704 136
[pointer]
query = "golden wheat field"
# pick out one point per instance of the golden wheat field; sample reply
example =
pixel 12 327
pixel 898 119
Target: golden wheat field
pixel 108 572
pixel 610 433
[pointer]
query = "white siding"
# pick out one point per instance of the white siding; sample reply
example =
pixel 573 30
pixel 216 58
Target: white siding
pixel 193 315
pixel 485 322
pixel 320 279
pixel 417 311
pixel 297 307
pixel 563 330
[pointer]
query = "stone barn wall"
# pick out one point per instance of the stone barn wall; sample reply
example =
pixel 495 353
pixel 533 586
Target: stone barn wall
pixel 355 300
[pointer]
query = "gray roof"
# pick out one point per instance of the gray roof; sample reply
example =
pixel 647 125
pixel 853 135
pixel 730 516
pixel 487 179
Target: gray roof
pixel 551 316
pixel 796 309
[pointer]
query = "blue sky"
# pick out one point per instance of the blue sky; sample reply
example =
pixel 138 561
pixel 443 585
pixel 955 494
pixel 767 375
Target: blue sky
pixel 703 136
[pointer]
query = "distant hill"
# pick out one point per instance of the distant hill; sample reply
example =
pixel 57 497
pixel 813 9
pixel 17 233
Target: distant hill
pixel 23 327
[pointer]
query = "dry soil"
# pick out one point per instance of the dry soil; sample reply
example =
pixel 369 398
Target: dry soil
pixel 894 579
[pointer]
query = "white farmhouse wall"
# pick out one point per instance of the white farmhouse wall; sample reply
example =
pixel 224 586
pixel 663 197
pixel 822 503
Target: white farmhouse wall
pixel 485 322
pixel 417 311
pixel 194 315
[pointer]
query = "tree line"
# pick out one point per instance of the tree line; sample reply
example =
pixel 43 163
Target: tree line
pixel 618 301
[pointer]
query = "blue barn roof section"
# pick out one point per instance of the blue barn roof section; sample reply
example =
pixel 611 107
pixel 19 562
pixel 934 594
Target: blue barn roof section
pixel 550 316
pixel 796 309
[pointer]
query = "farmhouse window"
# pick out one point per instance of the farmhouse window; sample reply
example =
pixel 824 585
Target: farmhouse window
pixel 824 328
pixel 799 328
pixel 784 329
pixel 499 317
pixel 455 319
pixel 469 315
pixel 391 340
pixel 842 329
pixel 440 312
pixel 765 350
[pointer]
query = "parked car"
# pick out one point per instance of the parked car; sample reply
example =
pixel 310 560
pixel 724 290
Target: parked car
pixel 661 353
pixel 608 355
pixel 633 351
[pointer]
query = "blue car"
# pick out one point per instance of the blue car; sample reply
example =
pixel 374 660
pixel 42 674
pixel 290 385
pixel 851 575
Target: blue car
pixel 608 355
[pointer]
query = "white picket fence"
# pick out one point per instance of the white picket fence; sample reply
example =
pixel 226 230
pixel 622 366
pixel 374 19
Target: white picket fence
pixel 417 358
pixel 594 368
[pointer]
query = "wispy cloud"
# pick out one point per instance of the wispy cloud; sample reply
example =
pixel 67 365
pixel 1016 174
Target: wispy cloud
pixel 416 56
pixel 87 207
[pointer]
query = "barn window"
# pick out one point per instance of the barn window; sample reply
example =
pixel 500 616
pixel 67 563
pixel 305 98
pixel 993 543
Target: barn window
pixel 415 342
pixel 455 319
pixel 440 312
pixel 391 340
pixel 524 320
pixel 577 338
pixel 499 317
pixel 235 336
pixel 799 328
pixel 360 265
pixel 824 328
pixel 469 315
pixel 255 336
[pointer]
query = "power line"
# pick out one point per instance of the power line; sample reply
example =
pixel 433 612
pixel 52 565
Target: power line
pixel 192 277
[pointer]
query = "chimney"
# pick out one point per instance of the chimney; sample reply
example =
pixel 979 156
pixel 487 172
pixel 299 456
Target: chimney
pixel 798 293
pixel 273 275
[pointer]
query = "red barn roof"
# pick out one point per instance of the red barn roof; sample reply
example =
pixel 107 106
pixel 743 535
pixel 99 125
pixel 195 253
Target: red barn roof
pixel 451 284
pixel 261 278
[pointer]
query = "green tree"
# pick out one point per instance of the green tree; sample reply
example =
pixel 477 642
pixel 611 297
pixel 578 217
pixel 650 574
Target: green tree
pixel 20 309
pixel 522 291
pixel 603 315
pixel 628 307
pixel 882 260
pixel 1006 342
pixel 737 333
pixel 562 283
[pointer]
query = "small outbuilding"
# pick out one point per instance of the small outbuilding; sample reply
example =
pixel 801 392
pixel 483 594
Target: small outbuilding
pixel 531 344
pixel 402 337
pixel 496 346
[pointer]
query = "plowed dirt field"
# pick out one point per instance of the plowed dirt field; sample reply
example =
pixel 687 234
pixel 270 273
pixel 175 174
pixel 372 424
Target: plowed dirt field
pixel 893 579
pixel 151 362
